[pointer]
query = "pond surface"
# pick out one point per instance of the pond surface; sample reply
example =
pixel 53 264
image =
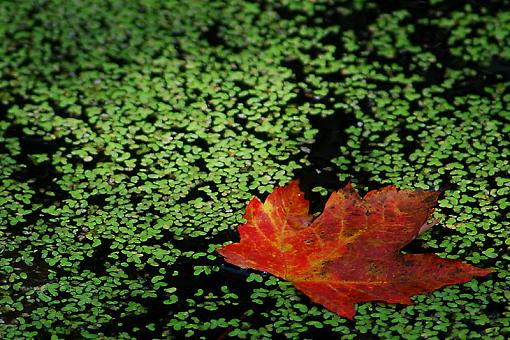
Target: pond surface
pixel 133 134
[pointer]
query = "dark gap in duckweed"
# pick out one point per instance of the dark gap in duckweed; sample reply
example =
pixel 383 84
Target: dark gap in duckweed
pixel 356 20
pixel 211 33
pixel 243 85
pixel 297 67
pixel 60 110
pixel 187 286
pixel 473 85
pixel 96 263
pixel 37 272
pixel 497 308
pixel 201 143
pixel 499 66
pixel 366 337
pixel 331 135
pixel 241 119
pixel 434 39
pixel 97 199
pixel 326 146
pixel 98 158
pixel 156 313
pixel 201 164
pixel 409 136
pixel 196 192
pixel 478 328
pixel 5 106
pixel 32 144
pixel 248 311
pixel 197 244
pixel 40 177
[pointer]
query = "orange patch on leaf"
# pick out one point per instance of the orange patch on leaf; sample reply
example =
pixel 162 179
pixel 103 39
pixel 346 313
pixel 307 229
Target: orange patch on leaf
pixel 351 252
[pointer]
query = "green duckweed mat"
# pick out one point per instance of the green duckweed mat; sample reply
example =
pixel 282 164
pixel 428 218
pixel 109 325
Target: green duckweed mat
pixel 133 133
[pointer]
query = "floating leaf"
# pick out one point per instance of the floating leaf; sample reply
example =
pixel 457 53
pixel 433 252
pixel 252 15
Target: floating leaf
pixel 351 252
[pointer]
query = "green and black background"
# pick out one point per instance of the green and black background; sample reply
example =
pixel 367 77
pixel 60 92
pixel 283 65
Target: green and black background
pixel 133 134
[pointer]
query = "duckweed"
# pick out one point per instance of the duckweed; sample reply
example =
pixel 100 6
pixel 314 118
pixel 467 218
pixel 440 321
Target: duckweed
pixel 134 133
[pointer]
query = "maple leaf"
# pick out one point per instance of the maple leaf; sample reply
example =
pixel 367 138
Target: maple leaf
pixel 351 252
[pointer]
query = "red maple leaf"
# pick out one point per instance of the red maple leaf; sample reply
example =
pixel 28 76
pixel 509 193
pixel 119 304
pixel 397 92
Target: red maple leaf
pixel 351 252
